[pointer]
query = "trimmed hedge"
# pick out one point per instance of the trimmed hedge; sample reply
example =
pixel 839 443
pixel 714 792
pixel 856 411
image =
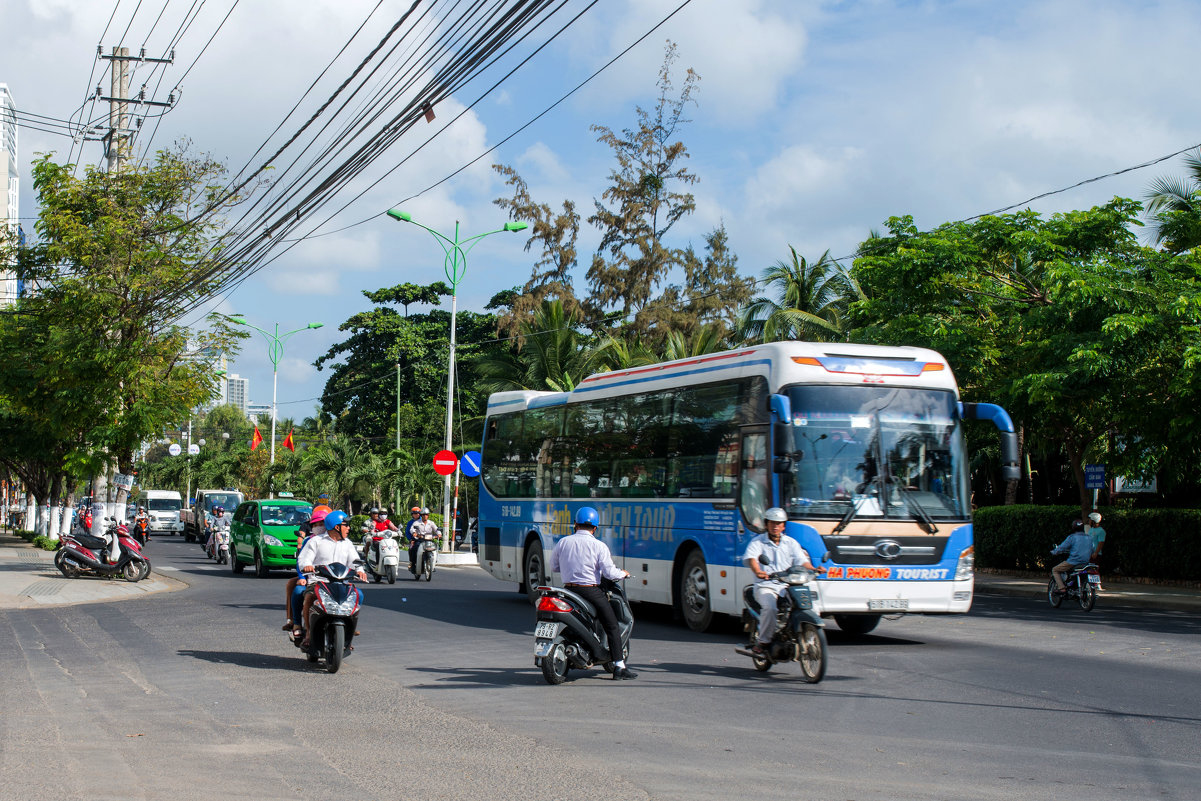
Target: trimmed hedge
pixel 1149 543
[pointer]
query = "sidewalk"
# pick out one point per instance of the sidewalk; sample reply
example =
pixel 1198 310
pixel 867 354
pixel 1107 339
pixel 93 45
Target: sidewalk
pixel 1114 593
pixel 28 578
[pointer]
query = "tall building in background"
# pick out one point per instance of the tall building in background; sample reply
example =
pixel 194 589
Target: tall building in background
pixel 237 389
pixel 10 194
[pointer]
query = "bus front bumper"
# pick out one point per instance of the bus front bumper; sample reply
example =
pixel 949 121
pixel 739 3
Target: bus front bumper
pixel 894 597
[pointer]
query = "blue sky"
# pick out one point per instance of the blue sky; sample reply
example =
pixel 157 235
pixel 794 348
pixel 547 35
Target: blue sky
pixel 815 121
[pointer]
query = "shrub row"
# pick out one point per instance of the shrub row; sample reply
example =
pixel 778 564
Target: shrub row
pixel 1148 543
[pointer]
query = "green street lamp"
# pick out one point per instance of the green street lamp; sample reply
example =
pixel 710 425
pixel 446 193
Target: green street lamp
pixel 275 351
pixel 454 266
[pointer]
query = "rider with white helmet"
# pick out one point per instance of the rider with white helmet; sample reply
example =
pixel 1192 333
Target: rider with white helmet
pixel 783 553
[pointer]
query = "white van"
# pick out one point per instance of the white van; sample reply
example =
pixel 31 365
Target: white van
pixel 163 507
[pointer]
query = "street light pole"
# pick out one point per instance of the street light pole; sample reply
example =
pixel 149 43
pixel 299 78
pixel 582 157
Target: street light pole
pixel 275 351
pixel 455 265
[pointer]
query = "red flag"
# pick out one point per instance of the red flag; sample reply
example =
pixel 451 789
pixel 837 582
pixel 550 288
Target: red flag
pixel 257 439
pixel 288 443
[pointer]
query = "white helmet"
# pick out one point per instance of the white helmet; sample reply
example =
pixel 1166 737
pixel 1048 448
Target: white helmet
pixel 1094 518
pixel 776 515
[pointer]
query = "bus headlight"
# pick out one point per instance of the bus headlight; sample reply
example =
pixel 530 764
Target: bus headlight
pixel 967 564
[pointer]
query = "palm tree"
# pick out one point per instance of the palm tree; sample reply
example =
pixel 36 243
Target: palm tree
pixel 552 354
pixel 1174 206
pixel 707 338
pixel 622 353
pixel 810 303
pixel 334 464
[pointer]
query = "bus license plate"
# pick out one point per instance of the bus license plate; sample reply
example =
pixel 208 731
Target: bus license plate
pixel 888 603
pixel 546 630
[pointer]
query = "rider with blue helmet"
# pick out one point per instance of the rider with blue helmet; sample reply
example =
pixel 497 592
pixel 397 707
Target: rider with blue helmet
pixel 583 561
pixel 326 549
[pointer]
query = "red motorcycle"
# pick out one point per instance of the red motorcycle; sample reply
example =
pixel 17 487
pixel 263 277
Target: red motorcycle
pixel 114 554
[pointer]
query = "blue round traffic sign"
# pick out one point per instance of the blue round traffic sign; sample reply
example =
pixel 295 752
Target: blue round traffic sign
pixel 470 463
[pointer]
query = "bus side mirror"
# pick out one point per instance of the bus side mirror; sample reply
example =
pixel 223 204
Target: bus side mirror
pixel 782 464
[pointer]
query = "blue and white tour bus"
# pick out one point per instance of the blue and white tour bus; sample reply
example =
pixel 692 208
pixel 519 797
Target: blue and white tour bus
pixel 863 446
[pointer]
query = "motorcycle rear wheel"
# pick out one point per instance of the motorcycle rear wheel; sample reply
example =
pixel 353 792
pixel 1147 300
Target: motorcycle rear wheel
pixel 1053 596
pixel 336 644
pixel 813 653
pixel 60 561
pixel 554 665
pixel 761 663
pixel 1088 596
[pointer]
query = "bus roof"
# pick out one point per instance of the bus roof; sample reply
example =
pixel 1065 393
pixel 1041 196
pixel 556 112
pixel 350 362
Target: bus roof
pixel 781 363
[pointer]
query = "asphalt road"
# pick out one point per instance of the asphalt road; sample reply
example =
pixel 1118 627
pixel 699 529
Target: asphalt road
pixel 197 694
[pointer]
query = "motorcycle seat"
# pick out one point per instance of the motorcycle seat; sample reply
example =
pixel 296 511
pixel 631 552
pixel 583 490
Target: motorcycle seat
pixel 90 542
pixel 577 599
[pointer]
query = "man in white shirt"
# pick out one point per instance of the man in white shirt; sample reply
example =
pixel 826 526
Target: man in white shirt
pixel 326 549
pixel 782 554
pixel 583 560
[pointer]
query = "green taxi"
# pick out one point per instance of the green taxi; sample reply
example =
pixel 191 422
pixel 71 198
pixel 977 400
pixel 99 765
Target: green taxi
pixel 264 533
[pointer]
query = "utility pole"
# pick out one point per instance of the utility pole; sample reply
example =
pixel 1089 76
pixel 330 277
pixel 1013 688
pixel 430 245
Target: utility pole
pixel 119 139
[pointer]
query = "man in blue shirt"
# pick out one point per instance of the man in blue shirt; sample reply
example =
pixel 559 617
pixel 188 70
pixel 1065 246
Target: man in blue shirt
pixel 1079 548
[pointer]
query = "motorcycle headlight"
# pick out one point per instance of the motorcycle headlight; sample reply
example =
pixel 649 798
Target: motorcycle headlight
pixel 270 540
pixel 331 606
pixel 967 564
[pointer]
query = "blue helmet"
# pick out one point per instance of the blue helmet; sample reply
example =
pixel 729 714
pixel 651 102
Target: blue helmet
pixel 335 518
pixel 587 516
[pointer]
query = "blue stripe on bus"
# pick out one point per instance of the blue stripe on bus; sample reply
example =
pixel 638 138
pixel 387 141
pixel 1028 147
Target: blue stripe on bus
pixel 506 403
pixel 663 376
pixel 547 401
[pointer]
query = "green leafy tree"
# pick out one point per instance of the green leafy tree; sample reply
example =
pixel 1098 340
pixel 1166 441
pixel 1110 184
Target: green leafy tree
pixel 95 362
pixel 1065 321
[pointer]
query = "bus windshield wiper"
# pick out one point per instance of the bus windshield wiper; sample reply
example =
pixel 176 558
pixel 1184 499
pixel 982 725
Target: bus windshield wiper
pixel 846 519
pixel 919 511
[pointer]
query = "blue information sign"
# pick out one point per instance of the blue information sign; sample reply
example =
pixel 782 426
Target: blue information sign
pixel 470 463
pixel 1094 476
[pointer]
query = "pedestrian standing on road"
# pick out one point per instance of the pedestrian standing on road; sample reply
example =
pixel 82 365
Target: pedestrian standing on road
pixel 1097 534
pixel 583 561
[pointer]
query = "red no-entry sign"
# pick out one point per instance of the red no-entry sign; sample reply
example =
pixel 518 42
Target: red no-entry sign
pixel 445 462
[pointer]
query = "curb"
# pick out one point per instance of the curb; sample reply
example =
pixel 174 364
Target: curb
pixel 29 580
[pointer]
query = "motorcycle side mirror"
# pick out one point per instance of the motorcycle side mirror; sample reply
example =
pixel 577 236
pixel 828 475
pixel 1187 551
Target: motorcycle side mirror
pixel 826 556
pixel 763 560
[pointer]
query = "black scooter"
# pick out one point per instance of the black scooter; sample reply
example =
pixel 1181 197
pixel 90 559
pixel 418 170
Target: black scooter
pixel 334 616
pixel 800 632
pixel 568 633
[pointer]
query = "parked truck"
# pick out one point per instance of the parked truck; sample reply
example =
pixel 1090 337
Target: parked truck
pixel 195 518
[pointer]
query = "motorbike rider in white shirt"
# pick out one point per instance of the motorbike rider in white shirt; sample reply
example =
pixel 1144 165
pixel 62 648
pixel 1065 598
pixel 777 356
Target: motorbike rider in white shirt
pixel 422 529
pixel 782 554
pixel 326 549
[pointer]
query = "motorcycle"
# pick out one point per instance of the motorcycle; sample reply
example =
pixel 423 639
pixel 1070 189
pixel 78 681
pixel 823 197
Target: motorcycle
pixel 568 632
pixel 141 530
pixel 800 632
pixel 334 616
pixel 426 560
pixel 386 559
pixel 114 554
pixel 219 546
pixel 1081 583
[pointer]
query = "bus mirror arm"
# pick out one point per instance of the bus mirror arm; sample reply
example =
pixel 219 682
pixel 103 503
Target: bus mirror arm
pixel 782 464
pixel 1010 468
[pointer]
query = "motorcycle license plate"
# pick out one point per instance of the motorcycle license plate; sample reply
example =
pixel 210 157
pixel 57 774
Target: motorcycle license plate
pixel 1094 579
pixel 546 630
pixel 888 603
pixel 542 647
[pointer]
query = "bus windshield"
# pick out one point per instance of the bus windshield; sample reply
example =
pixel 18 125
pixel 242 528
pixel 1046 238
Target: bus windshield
pixel 891 452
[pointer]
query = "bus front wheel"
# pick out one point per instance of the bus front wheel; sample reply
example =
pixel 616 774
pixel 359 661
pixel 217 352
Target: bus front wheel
pixel 857 624
pixel 533 570
pixel 696 603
